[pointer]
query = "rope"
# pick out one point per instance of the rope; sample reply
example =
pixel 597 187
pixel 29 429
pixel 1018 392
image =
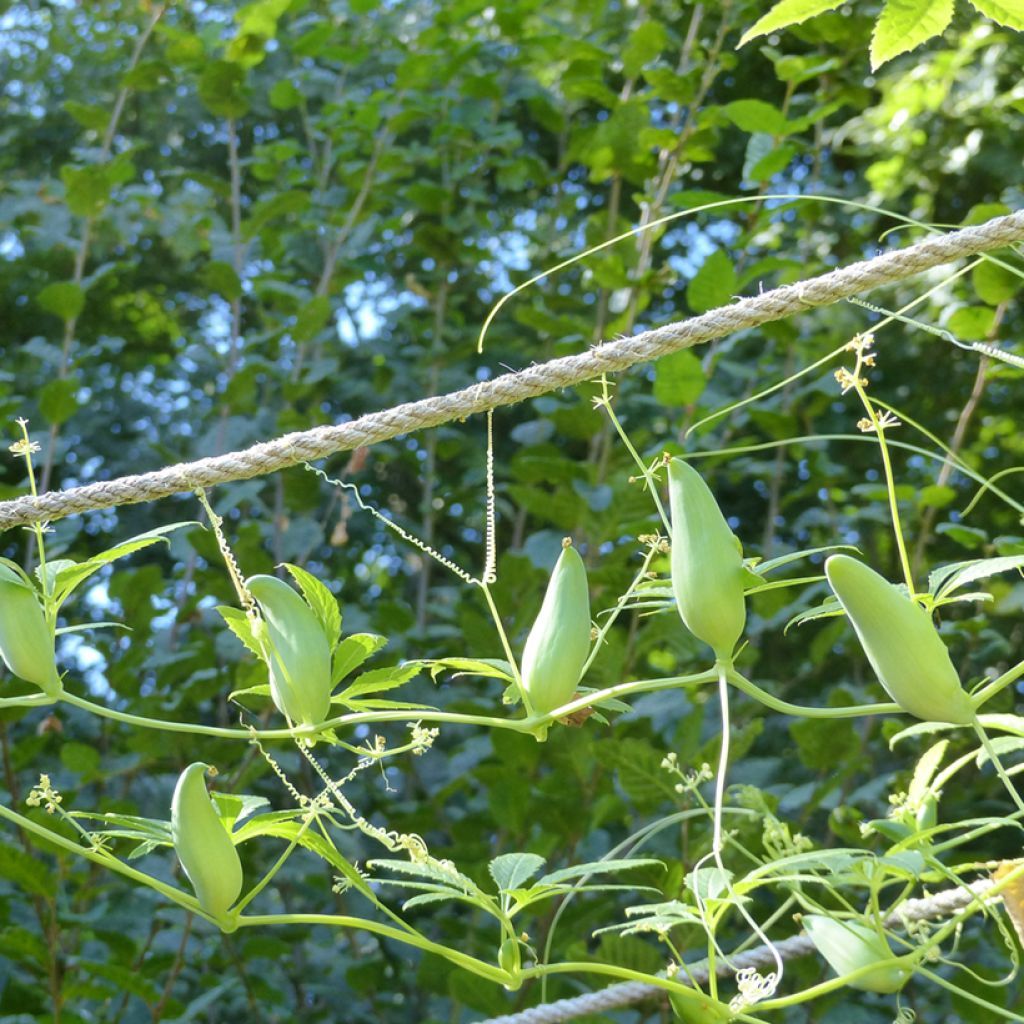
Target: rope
pixel 308 445
pixel 942 904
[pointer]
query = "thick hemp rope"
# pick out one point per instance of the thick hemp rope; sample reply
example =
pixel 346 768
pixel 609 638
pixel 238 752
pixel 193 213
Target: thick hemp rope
pixel 613 997
pixel 306 445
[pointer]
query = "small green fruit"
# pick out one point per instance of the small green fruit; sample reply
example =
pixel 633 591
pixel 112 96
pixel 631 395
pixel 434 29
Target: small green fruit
pixel 559 641
pixel 849 946
pixel 298 653
pixel 26 641
pixel 203 845
pixel 902 644
pixel 707 563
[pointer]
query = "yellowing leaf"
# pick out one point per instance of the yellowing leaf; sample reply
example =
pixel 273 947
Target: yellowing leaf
pixel 786 13
pixel 904 24
pixel 1007 12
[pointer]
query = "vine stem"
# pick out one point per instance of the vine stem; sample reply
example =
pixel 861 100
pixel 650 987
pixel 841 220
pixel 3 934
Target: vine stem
pixel 106 860
pixel 524 725
pixel 997 764
pixel 799 711
pixel 479 967
pixel 890 481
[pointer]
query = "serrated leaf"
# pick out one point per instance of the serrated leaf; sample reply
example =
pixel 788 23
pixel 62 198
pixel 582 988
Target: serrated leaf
pixel 429 897
pixel 786 13
pixel 925 770
pixel 261 690
pixel 905 24
pixel 947 578
pixel 492 668
pixel 238 622
pixel 1006 12
pixel 352 652
pixel 830 608
pixel 510 870
pixel 68 579
pixel 320 600
pixel 379 680
pixel 426 869
pixel 774 563
pixel 599 867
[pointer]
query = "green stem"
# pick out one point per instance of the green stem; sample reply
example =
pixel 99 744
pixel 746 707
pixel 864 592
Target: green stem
pixel 799 711
pixel 997 685
pixel 1000 1012
pixel 469 963
pixel 506 647
pixel 890 481
pixel 616 611
pixel 523 725
pixel 998 765
pixel 106 860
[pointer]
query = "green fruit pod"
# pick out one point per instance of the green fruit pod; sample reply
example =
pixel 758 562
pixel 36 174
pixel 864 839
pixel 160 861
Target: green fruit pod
pixel 901 642
pixel 26 641
pixel 298 653
pixel 707 563
pixel 849 946
pixel 559 641
pixel 203 844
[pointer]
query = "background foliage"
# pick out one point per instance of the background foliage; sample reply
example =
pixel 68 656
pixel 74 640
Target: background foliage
pixel 219 223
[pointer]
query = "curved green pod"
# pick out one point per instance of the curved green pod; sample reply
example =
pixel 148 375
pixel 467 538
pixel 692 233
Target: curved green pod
pixel 707 563
pixel 901 642
pixel 26 641
pixel 298 655
pixel 203 844
pixel 559 642
pixel 849 946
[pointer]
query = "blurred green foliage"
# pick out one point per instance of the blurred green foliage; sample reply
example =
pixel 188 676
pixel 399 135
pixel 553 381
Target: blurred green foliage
pixel 220 223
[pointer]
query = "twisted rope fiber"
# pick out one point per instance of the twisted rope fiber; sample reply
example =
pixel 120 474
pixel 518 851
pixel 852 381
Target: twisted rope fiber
pixel 942 904
pixel 319 442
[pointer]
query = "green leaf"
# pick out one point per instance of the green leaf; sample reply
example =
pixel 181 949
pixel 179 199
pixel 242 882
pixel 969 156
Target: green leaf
pixel 945 580
pixel 58 400
pixel 320 600
pixel 679 378
pixel 62 298
pixel 972 323
pixel 89 116
pixel 147 76
pixel 87 189
pixel 71 577
pixel 312 318
pixel 756 116
pixel 259 690
pixel 786 13
pixel 511 870
pixel 222 90
pixel 238 622
pixel 283 204
pixel 492 668
pixel 713 285
pixel 646 42
pixel 26 872
pixel 352 652
pixel 599 867
pixel 904 24
pixel 221 277
pixel 380 680
pixel 1006 12
pixel 284 95
pixel 994 284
